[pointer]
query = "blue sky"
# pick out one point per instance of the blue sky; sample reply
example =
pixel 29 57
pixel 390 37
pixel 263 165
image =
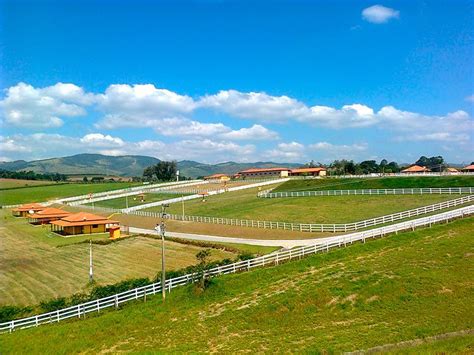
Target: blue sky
pixel 287 81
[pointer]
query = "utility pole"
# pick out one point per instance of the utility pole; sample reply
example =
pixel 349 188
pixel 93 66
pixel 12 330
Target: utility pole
pixel 91 270
pixel 182 201
pixel 160 228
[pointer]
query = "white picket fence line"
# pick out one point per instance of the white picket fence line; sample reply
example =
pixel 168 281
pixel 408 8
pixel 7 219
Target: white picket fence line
pixel 404 191
pixel 110 195
pixel 378 175
pixel 141 293
pixel 310 227
pixel 196 196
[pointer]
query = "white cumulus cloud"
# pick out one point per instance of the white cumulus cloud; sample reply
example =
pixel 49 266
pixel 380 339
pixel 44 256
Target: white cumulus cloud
pixel 29 107
pixel 379 14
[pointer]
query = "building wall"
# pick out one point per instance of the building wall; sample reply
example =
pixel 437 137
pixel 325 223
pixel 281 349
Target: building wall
pixel 265 174
pixel 99 228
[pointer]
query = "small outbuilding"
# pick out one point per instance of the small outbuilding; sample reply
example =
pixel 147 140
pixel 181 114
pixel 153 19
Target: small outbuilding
pixel 469 168
pixel 308 172
pixel 47 215
pixel 218 177
pixel 416 169
pixel 84 223
pixel 24 210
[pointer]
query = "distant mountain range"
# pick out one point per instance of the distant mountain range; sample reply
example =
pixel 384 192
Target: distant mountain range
pixel 127 165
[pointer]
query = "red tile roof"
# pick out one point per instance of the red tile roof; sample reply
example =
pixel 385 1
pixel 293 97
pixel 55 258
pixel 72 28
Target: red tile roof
pixel 49 212
pixel 82 219
pixel 416 169
pixel 469 167
pixel 29 206
pixel 262 170
pixel 307 170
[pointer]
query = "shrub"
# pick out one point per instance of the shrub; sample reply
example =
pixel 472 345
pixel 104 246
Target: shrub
pixel 245 256
pixel 8 313
pixel 54 304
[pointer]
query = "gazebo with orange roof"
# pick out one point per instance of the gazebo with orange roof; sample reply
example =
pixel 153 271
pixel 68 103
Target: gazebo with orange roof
pixel 23 210
pixel 47 215
pixel 414 169
pixel 84 223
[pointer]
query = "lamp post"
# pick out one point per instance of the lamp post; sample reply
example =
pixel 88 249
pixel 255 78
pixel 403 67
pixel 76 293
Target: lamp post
pixel 91 271
pixel 182 201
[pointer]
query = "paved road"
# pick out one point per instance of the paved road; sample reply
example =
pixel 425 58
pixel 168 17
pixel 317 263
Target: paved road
pixel 288 243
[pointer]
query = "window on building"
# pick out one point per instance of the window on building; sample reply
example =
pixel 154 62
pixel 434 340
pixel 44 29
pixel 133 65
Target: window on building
pixel 95 226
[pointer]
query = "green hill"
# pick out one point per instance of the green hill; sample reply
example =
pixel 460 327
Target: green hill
pixel 127 165
pixel 414 285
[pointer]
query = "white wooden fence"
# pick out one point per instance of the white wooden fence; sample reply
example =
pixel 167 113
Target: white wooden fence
pixel 404 191
pixel 196 196
pixel 312 227
pixel 141 293
pixel 110 195
pixel 378 175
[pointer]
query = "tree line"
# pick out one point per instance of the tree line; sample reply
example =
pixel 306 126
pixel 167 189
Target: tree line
pixel 349 167
pixel 31 175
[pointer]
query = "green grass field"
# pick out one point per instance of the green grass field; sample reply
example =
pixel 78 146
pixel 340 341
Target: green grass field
pixel 376 183
pixel 39 265
pixel 17 183
pixel 44 193
pixel 413 285
pixel 135 201
pixel 323 209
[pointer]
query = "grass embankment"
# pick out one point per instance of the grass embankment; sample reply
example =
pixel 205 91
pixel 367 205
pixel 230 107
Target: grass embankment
pixel 322 209
pixel 376 183
pixel 50 192
pixel 20 183
pixel 39 265
pixel 399 288
pixel 135 200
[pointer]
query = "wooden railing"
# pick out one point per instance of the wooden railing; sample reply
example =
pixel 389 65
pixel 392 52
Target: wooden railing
pixel 404 191
pixel 141 293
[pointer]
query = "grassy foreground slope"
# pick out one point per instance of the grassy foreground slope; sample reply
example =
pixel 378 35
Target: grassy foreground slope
pixel 321 209
pixel 376 183
pixel 44 193
pixel 402 287
pixel 37 265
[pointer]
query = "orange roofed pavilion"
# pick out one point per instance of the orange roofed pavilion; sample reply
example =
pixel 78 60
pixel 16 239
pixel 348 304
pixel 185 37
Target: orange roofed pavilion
pixel 23 210
pixel 83 223
pixel 47 215
pixel 416 169
pixel 308 171
pixel 469 168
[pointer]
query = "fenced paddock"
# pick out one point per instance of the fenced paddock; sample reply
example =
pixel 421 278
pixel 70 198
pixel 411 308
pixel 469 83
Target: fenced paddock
pixel 141 293
pixel 409 191
pixel 110 195
pixel 308 227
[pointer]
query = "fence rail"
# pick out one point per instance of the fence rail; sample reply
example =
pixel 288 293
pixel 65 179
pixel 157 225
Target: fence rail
pixel 313 227
pixel 109 195
pixel 214 192
pixel 141 293
pixel 404 191
pixel 379 175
